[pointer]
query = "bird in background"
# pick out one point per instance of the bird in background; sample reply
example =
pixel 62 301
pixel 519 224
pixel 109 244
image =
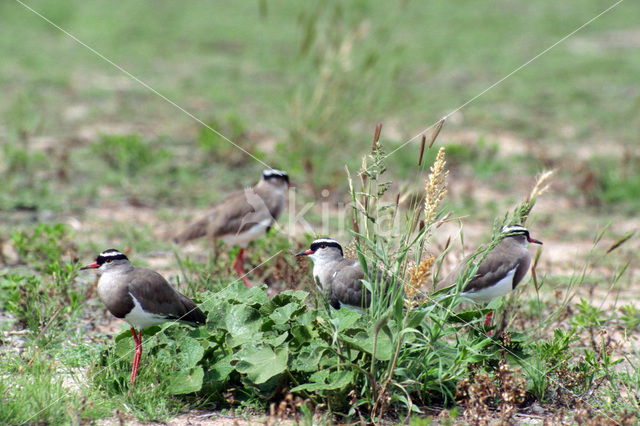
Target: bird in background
pixel 340 278
pixel 242 216
pixel 141 297
pixel 499 272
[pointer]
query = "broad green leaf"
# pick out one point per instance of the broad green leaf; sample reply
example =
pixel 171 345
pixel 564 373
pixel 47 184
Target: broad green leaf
pixel 308 358
pixel 221 369
pixel 346 319
pixel 468 316
pixel 320 376
pixel 190 351
pixel 299 295
pixel 335 380
pixel 283 314
pixel 238 292
pixel 243 323
pixel 281 299
pixel 124 345
pixel 276 340
pixel 364 341
pixel 301 334
pixel 186 381
pixel 261 363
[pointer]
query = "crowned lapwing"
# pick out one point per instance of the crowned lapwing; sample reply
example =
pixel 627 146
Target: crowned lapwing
pixel 141 297
pixel 500 271
pixel 243 216
pixel 340 278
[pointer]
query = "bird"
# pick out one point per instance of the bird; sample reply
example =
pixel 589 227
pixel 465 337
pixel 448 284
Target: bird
pixel 499 272
pixel 243 216
pixel 141 297
pixel 339 278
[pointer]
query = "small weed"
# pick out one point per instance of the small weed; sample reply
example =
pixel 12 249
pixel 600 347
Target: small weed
pixel 128 155
pixel 616 181
pixel 629 317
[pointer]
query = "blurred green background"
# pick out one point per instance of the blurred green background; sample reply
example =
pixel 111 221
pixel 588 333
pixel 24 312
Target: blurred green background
pixel 301 85
pixel 91 159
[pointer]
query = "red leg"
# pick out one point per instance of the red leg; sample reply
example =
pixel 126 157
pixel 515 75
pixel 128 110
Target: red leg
pixel 138 353
pixel 238 265
pixel 487 321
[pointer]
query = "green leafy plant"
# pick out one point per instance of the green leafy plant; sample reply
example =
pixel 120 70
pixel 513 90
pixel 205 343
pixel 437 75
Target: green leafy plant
pixel 129 154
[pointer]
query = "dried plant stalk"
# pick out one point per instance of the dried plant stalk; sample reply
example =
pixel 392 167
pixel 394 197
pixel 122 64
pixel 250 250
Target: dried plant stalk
pixel 541 186
pixel 435 188
pixel 436 132
pixel 419 275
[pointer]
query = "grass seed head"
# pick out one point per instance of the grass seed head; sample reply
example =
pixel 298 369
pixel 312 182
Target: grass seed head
pixel 418 276
pixel 435 188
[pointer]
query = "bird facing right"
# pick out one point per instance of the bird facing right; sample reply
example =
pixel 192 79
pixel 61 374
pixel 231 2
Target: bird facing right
pixel 500 271
pixel 243 216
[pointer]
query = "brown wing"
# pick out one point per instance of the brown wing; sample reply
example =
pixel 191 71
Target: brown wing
pixel 498 263
pixel 242 210
pixel 158 297
pixel 346 286
pixel 197 229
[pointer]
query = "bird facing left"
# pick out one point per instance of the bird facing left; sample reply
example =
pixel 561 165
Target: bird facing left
pixel 141 297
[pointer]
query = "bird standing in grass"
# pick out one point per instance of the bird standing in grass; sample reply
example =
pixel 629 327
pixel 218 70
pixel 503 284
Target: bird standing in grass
pixel 243 216
pixel 141 297
pixel 340 278
pixel 499 272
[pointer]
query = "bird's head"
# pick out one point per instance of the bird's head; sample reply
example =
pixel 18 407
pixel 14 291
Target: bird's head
pixel 277 178
pixel 323 250
pixel 108 260
pixel 520 232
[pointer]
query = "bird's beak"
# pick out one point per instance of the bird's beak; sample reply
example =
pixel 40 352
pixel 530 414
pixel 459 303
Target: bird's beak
pixel 305 253
pixel 94 265
pixel 534 241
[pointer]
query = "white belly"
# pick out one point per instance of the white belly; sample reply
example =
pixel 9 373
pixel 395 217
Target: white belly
pixel 242 239
pixel 502 287
pixel 140 319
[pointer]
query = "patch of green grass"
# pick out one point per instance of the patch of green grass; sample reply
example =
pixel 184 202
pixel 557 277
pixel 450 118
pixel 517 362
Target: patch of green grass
pixel 617 181
pixel 128 155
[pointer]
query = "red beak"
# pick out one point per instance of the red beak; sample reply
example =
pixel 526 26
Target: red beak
pixel 93 265
pixel 305 253
pixel 534 241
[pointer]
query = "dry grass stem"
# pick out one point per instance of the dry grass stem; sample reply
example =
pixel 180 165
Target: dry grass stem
pixel 422 144
pixel 541 186
pixel 376 136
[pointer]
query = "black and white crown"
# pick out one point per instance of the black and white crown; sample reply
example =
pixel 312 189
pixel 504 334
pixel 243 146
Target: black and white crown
pixel 109 256
pixel 321 243
pixel 275 174
pixel 514 230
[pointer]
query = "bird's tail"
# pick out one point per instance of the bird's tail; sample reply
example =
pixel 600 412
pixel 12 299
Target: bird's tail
pixel 193 314
pixel 195 230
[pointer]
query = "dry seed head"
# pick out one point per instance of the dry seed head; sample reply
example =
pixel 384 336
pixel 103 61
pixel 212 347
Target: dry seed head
pixel 418 276
pixel 422 143
pixel 541 185
pixel 436 131
pixel 435 188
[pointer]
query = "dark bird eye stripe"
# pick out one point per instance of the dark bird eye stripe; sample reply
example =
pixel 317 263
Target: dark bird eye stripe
pixel 111 254
pixel 318 244
pixel 514 229
pixel 275 174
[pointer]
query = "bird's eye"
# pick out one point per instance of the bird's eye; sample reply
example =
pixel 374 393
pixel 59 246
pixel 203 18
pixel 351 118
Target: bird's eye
pixel 323 246
pixel 108 260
